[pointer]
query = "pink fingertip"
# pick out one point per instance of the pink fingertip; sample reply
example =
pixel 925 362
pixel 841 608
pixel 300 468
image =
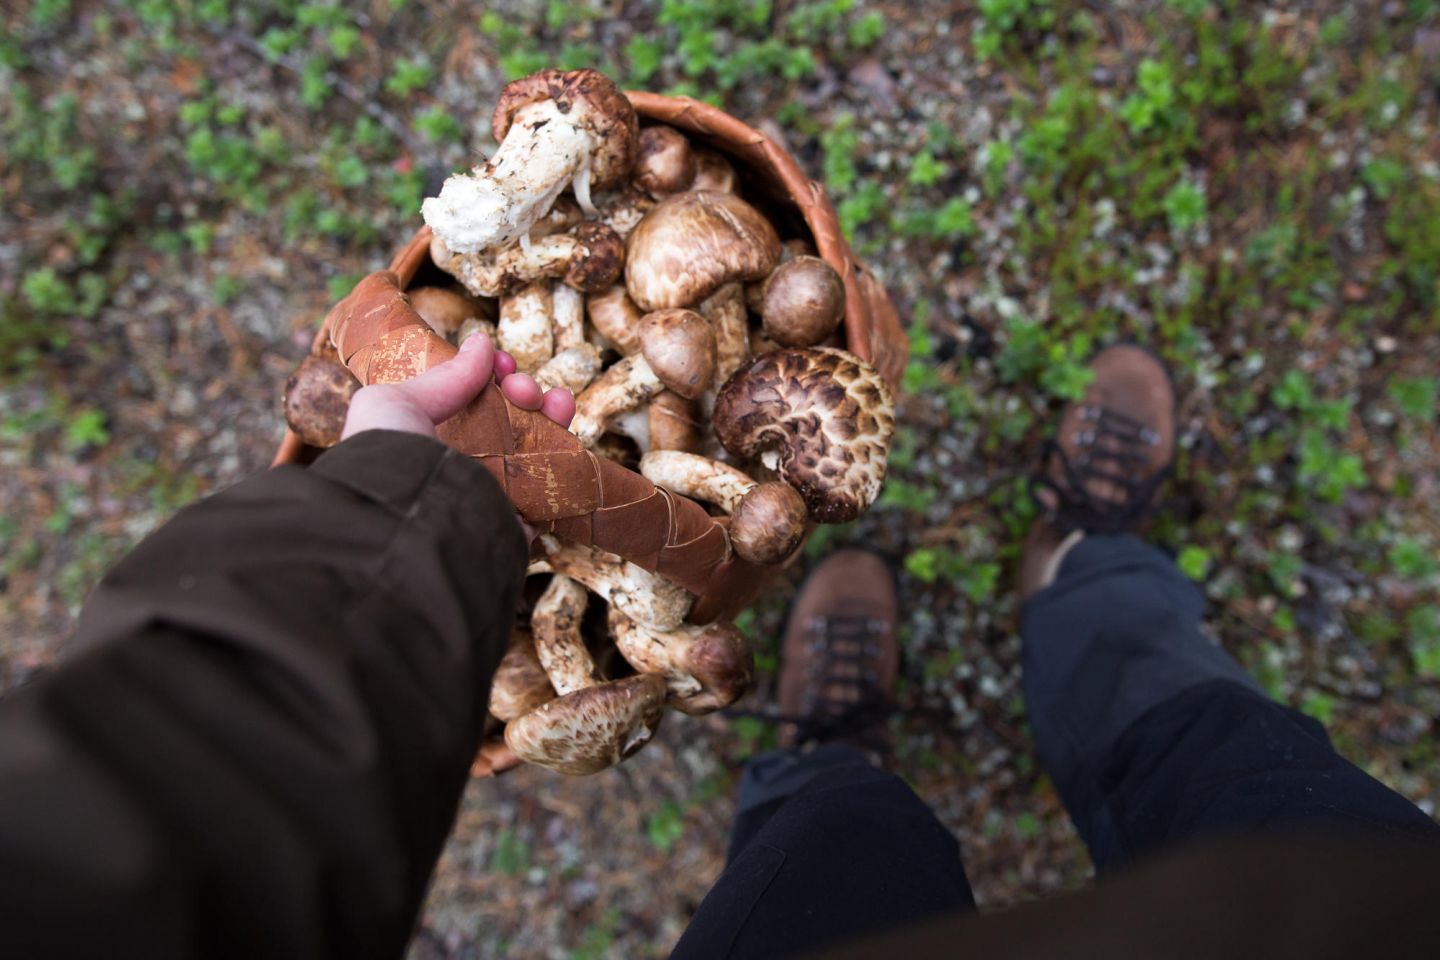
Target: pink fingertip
pixel 504 365
pixel 474 342
pixel 522 390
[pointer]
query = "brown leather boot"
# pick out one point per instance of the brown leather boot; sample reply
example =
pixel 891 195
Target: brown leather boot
pixel 841 654
pixel 1102 471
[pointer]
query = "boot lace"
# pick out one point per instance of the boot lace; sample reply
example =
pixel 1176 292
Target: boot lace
pixel 1113 448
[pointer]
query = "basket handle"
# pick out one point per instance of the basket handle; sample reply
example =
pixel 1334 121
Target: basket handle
pixel 553 481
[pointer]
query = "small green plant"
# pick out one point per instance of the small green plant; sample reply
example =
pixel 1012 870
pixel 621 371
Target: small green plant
pixel 1416 398
pixel 1185 206
pixel 1151 103
pixel 1423 626
pixel 665 826
pixel 1413 559
pixel 1194 562
pixel 511 855
pixel 407 76
pixel 87 428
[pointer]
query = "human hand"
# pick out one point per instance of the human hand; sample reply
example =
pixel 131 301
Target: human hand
pixel 418 404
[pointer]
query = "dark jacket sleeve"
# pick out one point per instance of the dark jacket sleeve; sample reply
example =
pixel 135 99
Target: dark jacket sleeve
pixel 258 747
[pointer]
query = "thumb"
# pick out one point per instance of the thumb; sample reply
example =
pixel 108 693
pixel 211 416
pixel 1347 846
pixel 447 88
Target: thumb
pixel 446 388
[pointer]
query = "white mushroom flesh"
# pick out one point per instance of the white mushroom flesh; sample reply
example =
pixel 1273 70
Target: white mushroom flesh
pixel 498 202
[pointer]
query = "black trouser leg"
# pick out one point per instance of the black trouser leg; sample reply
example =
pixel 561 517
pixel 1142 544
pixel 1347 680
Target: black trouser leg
pixel 826 847
pixel 1154 735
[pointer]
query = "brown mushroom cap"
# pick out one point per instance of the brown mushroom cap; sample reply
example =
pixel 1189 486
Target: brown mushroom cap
pixel 803 302
pixel 679 345
pixel 591 729
pixel 693 243
pixel 705 668
pixel 822 418
pixel 520 684
pixel 665 164
pixel 713 172
pixel 768 523
pixel 317 398
pixel 600 260
pixel 590 100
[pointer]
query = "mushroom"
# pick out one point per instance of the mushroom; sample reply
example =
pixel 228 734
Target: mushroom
pixel 622 210
pixel 821 418
pixel 588 258
pixel 641 595
pixel 664 163
pixel 616 317
pixel 725 309
pixel 705 668
pixel 317 397
pixel 556 128
pixel 591 729
pixel 572 368
pixel 789 250
pixel 592 724
pixel 673 423
pixel 567 315
pixel 802 302
pixel 525 330
pixel 692 244
pixel 446 310
pixel 712 172
pixel 677 352
pixel 767 520
pixel 520 683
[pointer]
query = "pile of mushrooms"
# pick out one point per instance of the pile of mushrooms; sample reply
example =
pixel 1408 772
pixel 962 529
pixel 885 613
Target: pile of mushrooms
pixel 705 351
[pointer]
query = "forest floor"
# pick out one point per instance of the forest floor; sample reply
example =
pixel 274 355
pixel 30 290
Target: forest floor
pixel 1251 188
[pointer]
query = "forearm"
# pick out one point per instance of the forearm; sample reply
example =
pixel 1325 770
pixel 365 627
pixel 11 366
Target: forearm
pixel 260 746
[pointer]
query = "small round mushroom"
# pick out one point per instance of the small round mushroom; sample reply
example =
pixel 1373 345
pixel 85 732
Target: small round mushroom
pixel 616 317
pixel 692 244
pixel 446 310
pixel 789 250
pixel 821 418
pixel 705 668
pixel 317 397
pixel 525 330
pixel 673 423
pixel 712 172
pixel 520 683
pixel 803 302
pixel 664 163
pixel 677 352
pixel 587 258
pixel 556 129
pixel 640 594
pixel 767 520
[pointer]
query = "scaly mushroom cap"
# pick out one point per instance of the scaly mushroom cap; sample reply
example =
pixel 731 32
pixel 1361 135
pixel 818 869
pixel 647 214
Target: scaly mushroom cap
pixel 591 729
pixel 822 418
pixel 590 100
pixel 705 668
pixel 679 345
pixel 520 684
pixel 665 163
pixel 587 258
pixel 601 260
pixel 802 302
pixel 693 243
pixel 769 523
pixel 317 397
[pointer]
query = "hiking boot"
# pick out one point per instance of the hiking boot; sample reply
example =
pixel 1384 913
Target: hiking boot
pixel 1102 471
pixel 841 655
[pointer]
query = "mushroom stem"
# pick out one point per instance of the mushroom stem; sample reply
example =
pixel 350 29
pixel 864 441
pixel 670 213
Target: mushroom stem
pixel 588 258
pixel 520 684
pixel 616 317
pixel 568 313
pixel 626 385
pixel 524 330
pixel 767 520
pixel 555 625
pixel 705 668
pixel 638 593
pixel 673 423
pixel 725 309
pixel 572 369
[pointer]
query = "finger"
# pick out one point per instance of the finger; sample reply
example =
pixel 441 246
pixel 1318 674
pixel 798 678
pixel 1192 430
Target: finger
pixel 559 405
pixel 446 388
pixel 504 365
pixel 522 390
